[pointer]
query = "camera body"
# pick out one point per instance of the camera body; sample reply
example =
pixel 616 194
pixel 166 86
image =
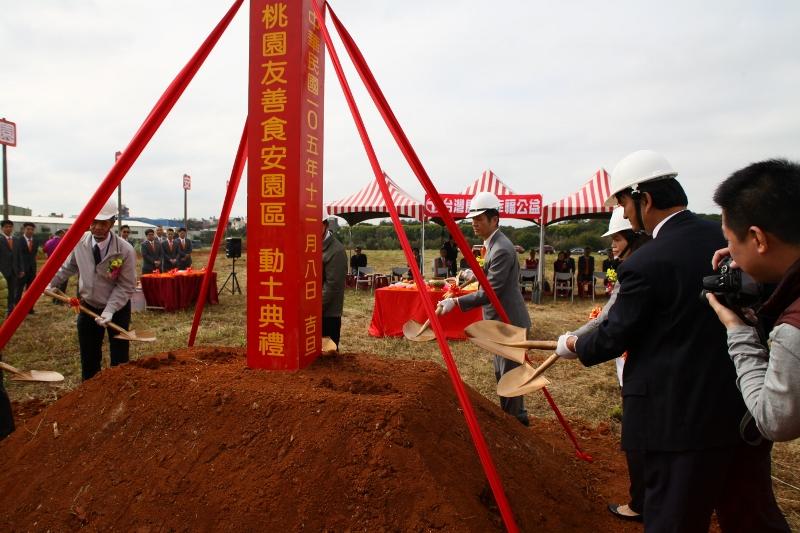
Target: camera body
pixel 732 287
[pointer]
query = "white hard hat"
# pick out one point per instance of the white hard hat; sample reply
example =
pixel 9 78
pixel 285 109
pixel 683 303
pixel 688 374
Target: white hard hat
pixel 108 212
pixel 481 202
pixel 636 168
pixel 618 222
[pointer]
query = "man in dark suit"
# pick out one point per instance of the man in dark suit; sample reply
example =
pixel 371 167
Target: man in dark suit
pixel 357 260
pixel 151 253
pixel 184 250
pixel 502 270
pixel 169 252
pixel 680 402
pixel 25 250
pixel 7 265
pixel 585 272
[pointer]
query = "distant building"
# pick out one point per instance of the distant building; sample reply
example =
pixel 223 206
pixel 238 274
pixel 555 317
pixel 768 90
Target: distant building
pixel 53 224
pixel 17 210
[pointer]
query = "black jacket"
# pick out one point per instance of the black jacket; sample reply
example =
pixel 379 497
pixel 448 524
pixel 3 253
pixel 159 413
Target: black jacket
pixel 679 385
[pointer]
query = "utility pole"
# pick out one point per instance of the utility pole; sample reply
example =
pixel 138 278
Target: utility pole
pixel 187 184
pixel 8 137
pixel 119 198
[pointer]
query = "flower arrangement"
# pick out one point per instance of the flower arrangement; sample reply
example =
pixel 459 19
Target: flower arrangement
pixel 114 267
pixel 611 275
pixel 480 260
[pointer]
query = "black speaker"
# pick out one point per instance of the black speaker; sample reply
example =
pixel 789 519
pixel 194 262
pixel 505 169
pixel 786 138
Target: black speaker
pixel 233 247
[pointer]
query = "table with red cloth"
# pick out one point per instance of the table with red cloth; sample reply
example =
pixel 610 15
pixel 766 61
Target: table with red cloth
pixel 177 290
pixel 394 306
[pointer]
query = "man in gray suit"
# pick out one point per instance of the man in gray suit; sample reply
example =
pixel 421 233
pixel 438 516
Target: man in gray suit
pixel 334 272
pixel 502 270
pixel 151 253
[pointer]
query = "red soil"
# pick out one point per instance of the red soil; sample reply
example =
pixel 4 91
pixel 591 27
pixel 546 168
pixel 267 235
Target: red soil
pixel 193 440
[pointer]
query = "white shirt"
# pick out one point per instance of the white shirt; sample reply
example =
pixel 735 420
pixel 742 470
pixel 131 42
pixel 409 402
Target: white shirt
pixel 658 226
pixel 103 245
pixel 487 241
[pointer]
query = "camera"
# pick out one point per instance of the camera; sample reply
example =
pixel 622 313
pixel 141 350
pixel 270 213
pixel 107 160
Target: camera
pixel 732 287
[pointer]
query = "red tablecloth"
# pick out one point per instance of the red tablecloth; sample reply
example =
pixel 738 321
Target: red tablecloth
pixel 395 306
pixel 176 291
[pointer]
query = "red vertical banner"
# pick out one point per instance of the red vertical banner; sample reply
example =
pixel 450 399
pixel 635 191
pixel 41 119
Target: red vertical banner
pixel 284 185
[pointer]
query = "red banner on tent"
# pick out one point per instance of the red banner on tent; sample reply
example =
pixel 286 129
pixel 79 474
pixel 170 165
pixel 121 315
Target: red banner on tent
pixel 527 206
pixel 284 185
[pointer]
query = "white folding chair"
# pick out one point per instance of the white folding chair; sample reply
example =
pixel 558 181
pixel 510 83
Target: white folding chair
pixel 398 273
pixel 563 282
pixel 365 276
pixel 529 275
pixel 598 276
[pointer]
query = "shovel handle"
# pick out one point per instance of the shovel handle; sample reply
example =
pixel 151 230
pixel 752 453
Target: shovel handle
pixel 544 366
pixel 425 325
pixel 9 368
pixel 66 299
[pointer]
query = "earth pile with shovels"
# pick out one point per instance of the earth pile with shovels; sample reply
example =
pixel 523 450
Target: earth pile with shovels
pixel 194 440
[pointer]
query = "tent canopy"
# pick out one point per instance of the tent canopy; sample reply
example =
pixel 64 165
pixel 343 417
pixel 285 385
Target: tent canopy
pixel 586 202
pixel 368 203
pixel 488 182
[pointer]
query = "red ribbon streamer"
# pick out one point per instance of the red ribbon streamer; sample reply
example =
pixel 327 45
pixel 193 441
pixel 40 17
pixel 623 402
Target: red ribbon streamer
pixel 472 421
pixel 227 204
pixel 114 177
pixel 416 165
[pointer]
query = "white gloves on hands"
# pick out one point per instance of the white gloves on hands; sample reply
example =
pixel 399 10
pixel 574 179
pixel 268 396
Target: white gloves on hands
pixel 562 350
pixel 447 305
pixel 104 318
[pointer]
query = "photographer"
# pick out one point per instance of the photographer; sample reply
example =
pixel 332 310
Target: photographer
pixel 759 220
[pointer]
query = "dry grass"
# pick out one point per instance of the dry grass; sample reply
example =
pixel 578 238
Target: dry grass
pixel 47 341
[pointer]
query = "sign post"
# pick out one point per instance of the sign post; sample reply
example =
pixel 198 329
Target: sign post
pixel 187 185
pixel 284 185
pixel 8 137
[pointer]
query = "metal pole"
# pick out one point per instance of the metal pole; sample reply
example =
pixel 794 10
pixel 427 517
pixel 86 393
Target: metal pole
pixel 5 185
pixel 185 218
pixel 119 199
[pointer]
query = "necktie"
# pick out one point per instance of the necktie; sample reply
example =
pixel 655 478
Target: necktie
pixel 30 245
pixel 483 251
pixel 96 251
pixel 10 243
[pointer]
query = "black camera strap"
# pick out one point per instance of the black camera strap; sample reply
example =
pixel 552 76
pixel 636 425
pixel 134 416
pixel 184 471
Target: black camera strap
pixel 636 196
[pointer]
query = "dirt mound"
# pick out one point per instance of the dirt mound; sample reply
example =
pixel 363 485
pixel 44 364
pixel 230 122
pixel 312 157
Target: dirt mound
pixel 194 440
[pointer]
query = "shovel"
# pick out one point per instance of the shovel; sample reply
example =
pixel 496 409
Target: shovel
pixel 125 335
pixel 522 380
pixel 413 331
pixel 506 334
pixel 31 375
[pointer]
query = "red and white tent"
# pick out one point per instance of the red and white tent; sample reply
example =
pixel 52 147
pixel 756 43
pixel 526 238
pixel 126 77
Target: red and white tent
pixel 586 202
pixel 488 182
pixel 368 203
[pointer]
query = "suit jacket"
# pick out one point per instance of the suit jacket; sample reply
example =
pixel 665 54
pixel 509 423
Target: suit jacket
pixel 184 253
pixel 150 255
pixel 502 269
pixel 97 286
pixel 582 266
pixel 334 273
pixel 167 254
pixel 679 385
pixel 25 259
pixel 8 266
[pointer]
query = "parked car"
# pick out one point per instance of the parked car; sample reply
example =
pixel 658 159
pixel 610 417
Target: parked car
pixel 549 249
pixel 576 251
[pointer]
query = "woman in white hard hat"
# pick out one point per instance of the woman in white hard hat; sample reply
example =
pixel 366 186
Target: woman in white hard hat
pixel 624 241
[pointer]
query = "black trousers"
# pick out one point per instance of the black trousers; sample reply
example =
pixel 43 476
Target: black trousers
pixel 332 327
pixel 6 415
pixel 635 459
pixel 90 339
pixel 11 281
pixel 683 488
pixel 22 284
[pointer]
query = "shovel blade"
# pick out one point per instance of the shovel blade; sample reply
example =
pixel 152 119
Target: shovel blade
pixel 518 382
pixel 328 346
pixel 137 336
pixel 509 352
pixel 48 376
pixel 496 331
pixel 411 331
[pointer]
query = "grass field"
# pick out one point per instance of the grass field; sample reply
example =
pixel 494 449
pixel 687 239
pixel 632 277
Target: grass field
pixel 47 341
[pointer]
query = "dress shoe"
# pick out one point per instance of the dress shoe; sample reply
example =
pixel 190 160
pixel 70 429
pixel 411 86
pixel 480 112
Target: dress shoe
pixel 624 512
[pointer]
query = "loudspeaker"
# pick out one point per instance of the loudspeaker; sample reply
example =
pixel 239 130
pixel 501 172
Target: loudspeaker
pixel 233 247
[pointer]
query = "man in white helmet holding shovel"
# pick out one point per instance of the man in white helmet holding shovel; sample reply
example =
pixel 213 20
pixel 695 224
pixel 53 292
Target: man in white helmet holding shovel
pixel 680 402
pixel 106 268
pixel 502 270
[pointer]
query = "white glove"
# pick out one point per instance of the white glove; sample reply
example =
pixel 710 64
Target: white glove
pixel 467 276
pixel 104 318
pixel 447 305
pixel 562 350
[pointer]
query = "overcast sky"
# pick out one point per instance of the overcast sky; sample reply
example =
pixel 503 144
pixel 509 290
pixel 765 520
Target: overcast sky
pixel 543 93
